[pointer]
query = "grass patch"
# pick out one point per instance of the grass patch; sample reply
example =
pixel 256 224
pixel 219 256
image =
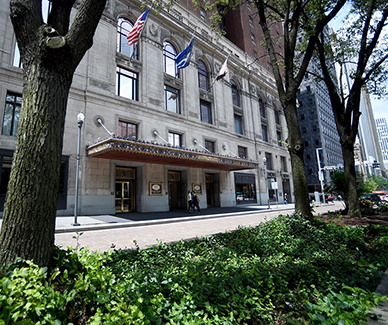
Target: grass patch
pixel 286 271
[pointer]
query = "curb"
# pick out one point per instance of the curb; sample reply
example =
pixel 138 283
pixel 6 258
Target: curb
pixel 159 222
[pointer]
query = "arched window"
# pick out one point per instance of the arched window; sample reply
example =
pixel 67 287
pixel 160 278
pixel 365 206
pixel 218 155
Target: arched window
pixel 169 54
pixel 203 76
pixel 262 108
pixel 235 94
pixel 123 28
pixel 277 116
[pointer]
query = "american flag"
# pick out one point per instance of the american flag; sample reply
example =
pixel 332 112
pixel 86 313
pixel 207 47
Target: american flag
pixel 134 33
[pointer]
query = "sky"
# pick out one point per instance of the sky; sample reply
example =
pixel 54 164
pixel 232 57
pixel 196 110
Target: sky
pixel 379 106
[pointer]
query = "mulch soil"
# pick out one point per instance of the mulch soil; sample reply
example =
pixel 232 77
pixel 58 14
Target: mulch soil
pixel 365 220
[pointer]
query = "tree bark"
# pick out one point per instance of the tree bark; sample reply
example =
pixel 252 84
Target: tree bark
pixel 350 181
pixel 49 61
pixel 296 150
pixel 31 203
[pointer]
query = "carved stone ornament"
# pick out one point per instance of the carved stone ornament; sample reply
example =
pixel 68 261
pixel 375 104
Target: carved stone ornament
pixel 153 29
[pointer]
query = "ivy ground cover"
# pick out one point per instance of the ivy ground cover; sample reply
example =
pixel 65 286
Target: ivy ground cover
pixel 286 271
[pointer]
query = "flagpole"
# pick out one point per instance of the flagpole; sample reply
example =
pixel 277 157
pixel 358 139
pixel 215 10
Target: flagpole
pixel 141 32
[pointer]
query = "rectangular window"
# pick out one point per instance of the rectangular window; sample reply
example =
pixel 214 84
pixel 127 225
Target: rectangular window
pixel 5 167
pixel 127 130
pixel 279 138
pixel 262 108
pixel 203 13
pixel 12 108
pixel 171 97
pixel 210 145
pixel 277 117
pixel 17 62
pixel 235 94
pixel 253 39
pixel 174 139
pixel 238 124
pixel 126 83
pixel 283 163
pixel 6 163
pixel 264 132
pixel 268 156
pixel 206 112
pixel 242 152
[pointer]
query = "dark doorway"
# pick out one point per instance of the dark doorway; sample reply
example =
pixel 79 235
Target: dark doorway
pixel 176 190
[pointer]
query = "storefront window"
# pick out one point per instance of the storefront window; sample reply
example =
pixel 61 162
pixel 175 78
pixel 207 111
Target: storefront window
pixel 245 193
pixel 245 188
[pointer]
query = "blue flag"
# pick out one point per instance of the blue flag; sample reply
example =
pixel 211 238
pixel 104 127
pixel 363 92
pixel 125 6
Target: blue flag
pixel 182 60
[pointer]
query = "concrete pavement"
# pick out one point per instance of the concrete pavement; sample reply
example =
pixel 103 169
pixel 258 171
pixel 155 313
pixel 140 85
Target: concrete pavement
pixel 103 232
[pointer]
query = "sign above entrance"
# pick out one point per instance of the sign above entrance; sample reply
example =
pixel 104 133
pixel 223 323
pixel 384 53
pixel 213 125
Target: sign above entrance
pixel 147 152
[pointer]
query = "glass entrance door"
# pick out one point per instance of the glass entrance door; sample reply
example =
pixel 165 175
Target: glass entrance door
pixel 125 196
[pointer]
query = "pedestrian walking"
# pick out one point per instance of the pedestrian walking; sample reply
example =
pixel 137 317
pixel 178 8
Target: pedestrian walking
pixel 190 202
pixel 195 202
pixel 285 198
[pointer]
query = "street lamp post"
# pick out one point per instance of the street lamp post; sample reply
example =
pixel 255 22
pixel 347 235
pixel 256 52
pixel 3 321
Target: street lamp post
pixel 266 179
pixel 320 173
pixel 80 122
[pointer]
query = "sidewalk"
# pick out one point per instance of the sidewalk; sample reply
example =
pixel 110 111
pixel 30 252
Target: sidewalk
pixel 136 219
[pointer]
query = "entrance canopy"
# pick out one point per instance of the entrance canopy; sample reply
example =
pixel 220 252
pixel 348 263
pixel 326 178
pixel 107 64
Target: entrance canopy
pixel 154 153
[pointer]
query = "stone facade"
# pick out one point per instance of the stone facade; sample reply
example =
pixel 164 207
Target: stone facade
pixel 156 185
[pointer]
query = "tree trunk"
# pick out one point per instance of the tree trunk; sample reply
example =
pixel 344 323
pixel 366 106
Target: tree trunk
pixel 50 54
pixel 296 150
pixel 350 180
pixel 30 208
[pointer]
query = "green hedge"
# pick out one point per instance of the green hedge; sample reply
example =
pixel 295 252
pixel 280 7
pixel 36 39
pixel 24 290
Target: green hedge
pixel 286 271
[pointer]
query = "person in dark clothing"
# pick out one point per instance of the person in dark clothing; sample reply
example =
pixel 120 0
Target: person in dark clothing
pixel 195 201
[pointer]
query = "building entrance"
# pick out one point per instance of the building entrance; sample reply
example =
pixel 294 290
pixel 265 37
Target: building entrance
pixel 286 189
pixel 212 190
pixel 176 190
pixel 125 195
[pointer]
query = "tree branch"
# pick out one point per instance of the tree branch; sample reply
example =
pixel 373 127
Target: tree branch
pixel 313 38
pixel 26 17
pixel 375 67
pixel 361 58
pixel 371 46
pixel 264 25
pixel 59 17
pixel 80 35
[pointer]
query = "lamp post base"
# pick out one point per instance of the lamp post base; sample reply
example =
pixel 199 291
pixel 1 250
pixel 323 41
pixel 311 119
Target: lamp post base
pixel 76 224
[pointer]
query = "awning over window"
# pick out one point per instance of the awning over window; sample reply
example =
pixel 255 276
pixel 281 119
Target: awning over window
pixel 154 153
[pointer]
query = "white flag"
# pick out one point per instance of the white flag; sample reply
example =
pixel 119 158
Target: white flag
pixel 223 71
